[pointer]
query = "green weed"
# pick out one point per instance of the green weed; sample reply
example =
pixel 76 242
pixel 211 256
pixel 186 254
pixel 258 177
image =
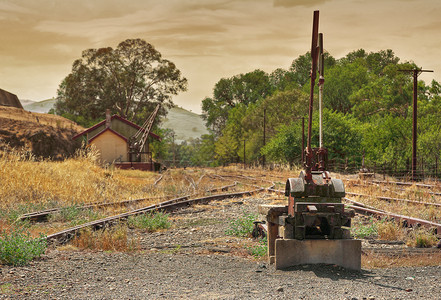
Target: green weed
pixel 422 238
pixel 365 229
pixel 243 226
pixel 75 215
pixel 18 248
pixel 261 249
pixel 150 221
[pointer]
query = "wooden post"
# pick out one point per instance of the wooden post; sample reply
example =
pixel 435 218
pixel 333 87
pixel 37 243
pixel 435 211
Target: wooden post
pixel 273 232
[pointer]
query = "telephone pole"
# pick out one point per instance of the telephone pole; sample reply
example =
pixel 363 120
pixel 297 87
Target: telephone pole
pixel 264 137
pixel 415 73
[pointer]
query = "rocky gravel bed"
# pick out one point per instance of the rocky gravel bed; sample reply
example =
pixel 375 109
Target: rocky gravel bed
pixel 196 259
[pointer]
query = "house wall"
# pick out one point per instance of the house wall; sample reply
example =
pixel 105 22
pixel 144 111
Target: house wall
pixel 111 147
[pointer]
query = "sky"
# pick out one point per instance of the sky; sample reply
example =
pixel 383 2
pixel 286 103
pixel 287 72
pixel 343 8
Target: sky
pixel 207 39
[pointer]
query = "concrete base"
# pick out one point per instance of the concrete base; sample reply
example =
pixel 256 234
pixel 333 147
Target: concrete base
pixel 344 253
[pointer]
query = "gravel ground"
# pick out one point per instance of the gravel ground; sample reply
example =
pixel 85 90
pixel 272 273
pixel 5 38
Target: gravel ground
pixel 197 260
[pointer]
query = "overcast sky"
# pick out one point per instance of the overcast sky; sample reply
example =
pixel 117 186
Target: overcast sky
pixel 206 39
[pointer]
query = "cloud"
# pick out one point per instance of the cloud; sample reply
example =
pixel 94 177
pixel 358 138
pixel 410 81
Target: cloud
pixel 294 3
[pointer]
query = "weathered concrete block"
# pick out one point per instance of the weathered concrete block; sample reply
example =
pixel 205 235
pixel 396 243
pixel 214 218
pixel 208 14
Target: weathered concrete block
pixel 344 253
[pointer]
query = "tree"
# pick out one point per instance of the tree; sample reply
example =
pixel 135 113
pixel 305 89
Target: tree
pixel 130 80
pixel 230 92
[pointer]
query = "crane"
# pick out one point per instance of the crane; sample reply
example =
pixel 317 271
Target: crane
pixel 138 140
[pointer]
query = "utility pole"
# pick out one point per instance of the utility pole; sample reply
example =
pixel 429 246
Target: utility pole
pixel 244 161
pixel 174 152
pixel 264 139
pixel 415 73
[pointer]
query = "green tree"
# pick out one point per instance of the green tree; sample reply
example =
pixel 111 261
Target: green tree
pixel 341 136
pixel 230 92
pixel 130 80
pixel 390 92
pixel 229 145
pixel 341 82
pixel 388 140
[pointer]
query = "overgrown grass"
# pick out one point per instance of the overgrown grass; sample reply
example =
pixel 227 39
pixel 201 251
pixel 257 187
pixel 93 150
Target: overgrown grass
pixel 422 238
pixel 391 231
pixel 364 229
pixel 18 248
pixel 242 226
pixel 150 221
pixel 75 215
pixel 114 238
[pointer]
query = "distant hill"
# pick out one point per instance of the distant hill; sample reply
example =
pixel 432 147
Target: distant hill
pixel 40 107
pixel 186 124
pixel 25 102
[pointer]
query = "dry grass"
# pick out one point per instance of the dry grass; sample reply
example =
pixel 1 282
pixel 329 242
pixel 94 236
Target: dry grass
pixel 391 231
pixel 374 261
pixel 414 193
pixel 110 239
pixel 28 184
pixel 79 180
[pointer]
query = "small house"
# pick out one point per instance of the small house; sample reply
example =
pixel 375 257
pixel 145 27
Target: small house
pixel 113 138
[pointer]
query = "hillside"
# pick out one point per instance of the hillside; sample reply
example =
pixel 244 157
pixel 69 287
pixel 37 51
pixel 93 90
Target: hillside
pixel 39 107
pixel 43 134
pixel 186 124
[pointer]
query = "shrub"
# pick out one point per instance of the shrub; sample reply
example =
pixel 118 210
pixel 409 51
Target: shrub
pixel 261 249
pixel 150 221
pixel 243 226
pixel 390 231
pixel 110 239
pixel 18 248
pixel 421 238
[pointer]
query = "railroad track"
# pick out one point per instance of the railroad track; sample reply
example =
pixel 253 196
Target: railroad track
pixel 401 251
pixel 167 206
pixel 395 199
pixel 408 184
pixel 43 215
pixel 406 220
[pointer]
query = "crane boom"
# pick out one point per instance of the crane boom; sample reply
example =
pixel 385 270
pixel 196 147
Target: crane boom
pixel 140 140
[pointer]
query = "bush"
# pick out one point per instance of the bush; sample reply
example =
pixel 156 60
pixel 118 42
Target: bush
pixel 243 226
pixel 261 249
pixel 18 248
pixel 150 221
pixel 114 238
pixel 390 231
pixel 422 238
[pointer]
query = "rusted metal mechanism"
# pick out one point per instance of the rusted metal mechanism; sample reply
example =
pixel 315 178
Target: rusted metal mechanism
pixel 315 208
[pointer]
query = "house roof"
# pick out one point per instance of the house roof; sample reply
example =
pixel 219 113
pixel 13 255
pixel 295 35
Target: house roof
pixel 110 130
pixel 9 99
pixel 157 137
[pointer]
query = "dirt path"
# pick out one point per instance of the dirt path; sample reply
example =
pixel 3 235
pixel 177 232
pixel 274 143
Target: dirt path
pixel 197 260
